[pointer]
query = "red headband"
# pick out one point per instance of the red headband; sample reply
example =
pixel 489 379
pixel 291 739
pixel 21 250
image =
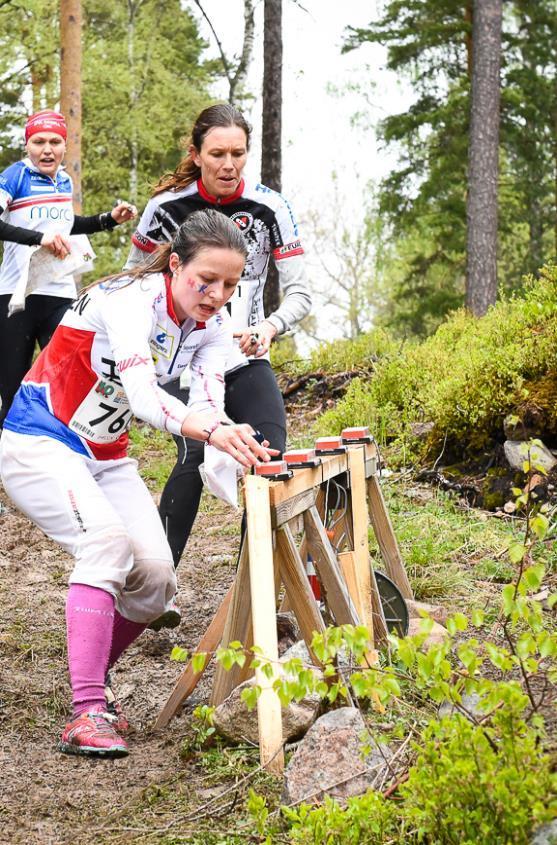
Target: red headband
pixel 46 121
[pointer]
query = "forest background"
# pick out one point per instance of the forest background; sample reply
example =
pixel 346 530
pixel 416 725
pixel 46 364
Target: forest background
pixel 400 260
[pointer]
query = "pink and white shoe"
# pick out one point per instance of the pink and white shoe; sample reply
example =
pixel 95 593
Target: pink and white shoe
pixel 93 735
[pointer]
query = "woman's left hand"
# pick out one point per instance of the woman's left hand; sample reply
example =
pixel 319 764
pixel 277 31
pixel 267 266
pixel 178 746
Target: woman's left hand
pixel 257 339
pixel 123 212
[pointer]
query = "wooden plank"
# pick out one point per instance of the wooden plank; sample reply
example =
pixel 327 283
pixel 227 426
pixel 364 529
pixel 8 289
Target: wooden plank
pixel 263 607
pixel 386 539
pixel 337 596
pixel 237 627
pixel 285 511
pixel 362 570
pixel 305 479
pixel 320 505
pixel 380 629
pixel 371 466
pixel 348 568
pixel 298 589
pixel 189 679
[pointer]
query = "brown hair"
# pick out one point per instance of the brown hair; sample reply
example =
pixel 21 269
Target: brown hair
pixel 200 230
pixel 223 115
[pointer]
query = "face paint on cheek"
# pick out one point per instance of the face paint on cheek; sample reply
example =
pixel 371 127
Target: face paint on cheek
pixel 191 283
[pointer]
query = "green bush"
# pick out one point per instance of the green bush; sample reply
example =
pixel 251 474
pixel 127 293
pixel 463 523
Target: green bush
pixel 368 819
pixel 473 784
pixel 465 378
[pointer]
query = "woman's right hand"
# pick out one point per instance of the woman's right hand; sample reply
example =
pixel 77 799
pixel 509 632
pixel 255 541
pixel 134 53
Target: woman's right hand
pixel 58 245
pixel 238 441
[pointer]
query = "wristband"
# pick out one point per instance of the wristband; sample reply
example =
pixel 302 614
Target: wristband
pixel 210 431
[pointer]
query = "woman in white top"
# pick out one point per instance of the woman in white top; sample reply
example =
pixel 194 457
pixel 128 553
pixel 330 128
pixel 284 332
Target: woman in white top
pixel 63 449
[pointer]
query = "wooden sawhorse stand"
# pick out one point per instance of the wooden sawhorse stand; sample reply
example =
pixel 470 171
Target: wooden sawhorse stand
pixel 270 558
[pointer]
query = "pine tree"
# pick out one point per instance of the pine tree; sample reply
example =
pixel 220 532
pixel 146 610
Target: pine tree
pixel 483 169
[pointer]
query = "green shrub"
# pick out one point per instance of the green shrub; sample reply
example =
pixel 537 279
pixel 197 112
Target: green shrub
pixel 473 784
pixel 368 819
pixel 465 378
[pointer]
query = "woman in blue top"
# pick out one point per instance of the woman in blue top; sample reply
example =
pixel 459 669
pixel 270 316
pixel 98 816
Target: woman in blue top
pixel 36 210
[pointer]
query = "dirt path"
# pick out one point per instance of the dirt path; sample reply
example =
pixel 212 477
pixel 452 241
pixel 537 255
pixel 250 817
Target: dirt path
pixel 47 798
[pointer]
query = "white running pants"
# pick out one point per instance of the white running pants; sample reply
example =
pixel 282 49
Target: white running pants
pixel 100 512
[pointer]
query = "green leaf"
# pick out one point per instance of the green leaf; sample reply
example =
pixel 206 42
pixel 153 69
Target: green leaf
pixel 516 552
pixel 198 662
pixel 478 617
pixel 181 655
pixel 533 577
pixel 539 525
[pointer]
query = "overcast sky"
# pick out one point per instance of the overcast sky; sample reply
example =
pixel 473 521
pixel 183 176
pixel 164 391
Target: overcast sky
pixel 318 136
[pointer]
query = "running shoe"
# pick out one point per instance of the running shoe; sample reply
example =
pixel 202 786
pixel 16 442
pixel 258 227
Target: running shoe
pixel 114 708
pixel 93 735
pixel 171 618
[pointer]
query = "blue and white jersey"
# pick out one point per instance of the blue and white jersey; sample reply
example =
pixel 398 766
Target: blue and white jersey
pixel 37 202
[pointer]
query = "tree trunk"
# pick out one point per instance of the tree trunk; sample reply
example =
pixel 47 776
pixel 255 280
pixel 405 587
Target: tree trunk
pixel 133 9
pixel 271 140
pixel 483 162
pixel 70 89
pixel 237 83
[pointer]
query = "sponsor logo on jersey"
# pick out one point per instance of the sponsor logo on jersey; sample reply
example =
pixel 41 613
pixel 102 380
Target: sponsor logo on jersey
pixel 243 220
pixel 135 361
pixel 51 212
pixel 162 342
pixel 285 251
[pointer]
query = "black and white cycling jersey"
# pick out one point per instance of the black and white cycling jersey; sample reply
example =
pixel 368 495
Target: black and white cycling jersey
pixel 269 227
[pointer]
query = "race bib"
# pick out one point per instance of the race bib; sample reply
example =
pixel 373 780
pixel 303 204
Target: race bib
pixel 104 415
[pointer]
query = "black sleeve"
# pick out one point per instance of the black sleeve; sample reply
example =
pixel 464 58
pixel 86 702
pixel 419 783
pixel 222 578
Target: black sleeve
pixel 93 223
pixel 19 235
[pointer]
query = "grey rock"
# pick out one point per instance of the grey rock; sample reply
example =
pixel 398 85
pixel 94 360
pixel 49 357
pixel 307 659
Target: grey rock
pixel 420 430
pixel 330 760
pixel 471 703
pixel 516 453
pixel 545 835
pixel 298 650
pixel 236 723
pixel 437 612
pixel 437 634
pixel 288 631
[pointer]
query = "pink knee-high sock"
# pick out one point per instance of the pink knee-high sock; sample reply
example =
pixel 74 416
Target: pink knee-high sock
pixel 89 623
pixel 124 633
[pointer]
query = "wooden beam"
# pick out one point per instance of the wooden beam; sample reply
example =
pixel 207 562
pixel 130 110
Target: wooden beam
pixel 238 626
pixel 386 539
pixel 306 479
pixel 337 596
pixel 380 629
pixel 298 590
pixel 362 569
pixel 285 511
pixel 189 679
pixel 263 606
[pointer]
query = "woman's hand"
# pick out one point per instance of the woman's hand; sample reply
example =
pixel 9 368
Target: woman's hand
pixel 238 441
pixel 58 245
pixel 257 339
pixel 123 212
